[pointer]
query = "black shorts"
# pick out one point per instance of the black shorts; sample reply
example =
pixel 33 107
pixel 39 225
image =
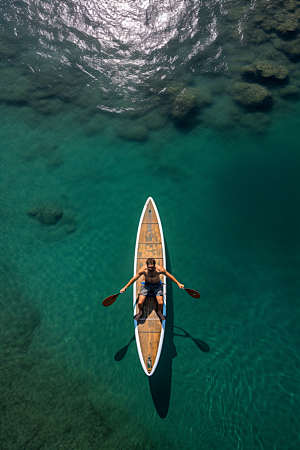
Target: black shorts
pixel 157 288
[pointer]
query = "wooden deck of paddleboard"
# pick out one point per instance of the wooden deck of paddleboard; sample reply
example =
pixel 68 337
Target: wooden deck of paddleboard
pixel 149 246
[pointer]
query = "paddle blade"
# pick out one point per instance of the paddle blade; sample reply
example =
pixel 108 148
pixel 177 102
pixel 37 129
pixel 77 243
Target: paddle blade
pixel 110 300
pixel 192 293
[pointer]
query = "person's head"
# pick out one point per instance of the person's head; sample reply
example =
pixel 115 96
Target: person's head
pixel 150 263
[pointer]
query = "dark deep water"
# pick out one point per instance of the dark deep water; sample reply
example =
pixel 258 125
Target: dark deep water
pixel 103 104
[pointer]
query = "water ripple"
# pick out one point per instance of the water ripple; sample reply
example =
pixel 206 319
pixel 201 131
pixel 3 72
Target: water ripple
pixel 121 43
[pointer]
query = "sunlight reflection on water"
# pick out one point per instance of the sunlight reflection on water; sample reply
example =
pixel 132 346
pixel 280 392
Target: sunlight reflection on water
pixel 124 42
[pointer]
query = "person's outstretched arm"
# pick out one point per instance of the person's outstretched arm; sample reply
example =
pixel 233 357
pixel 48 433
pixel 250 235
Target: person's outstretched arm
pixel 181 286
pixel 136 277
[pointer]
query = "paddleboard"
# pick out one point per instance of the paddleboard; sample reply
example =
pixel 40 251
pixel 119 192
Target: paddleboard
pixel 149 330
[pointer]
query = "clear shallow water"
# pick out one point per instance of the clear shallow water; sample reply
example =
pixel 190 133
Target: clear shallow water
pixel 229 204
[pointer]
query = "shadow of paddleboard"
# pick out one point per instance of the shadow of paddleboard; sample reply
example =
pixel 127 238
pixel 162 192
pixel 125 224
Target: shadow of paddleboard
pixel 160 381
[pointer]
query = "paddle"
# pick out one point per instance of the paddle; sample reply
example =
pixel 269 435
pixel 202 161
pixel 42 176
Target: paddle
pixel 110 300
pixel 192 293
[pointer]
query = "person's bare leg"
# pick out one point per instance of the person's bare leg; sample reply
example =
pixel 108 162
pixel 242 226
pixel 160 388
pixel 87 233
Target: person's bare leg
pixel 160 301
pixel 141 301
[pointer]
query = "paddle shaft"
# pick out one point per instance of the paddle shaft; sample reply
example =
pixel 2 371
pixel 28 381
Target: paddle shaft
pixel 108 301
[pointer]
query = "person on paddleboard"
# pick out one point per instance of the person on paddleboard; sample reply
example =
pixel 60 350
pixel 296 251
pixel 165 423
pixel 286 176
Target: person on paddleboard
pixel 152 274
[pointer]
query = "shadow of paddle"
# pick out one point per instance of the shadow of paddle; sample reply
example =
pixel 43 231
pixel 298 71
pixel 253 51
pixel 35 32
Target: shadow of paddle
pixel 121 353
pixel 200 344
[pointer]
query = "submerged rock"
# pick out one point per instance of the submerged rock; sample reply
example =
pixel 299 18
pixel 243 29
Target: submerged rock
pixel 68 221
pixel 289 91
pixel 258 36
pixel 41 149
pixel 289 5
pixel 251 95
pixel 290 48
pixel 48 215
pixel 266 72
pixel 154 121
pixel 256 121
pixel 133 132
pixel 62 222
pixel 19 315
pixel 188 100
pixel 183 105
pixel 282 22
pixel 287 23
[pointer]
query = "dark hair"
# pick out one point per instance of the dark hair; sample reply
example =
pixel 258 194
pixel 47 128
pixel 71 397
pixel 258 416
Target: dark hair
pixel 150 261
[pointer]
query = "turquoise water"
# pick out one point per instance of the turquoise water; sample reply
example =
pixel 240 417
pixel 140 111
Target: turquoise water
pixel 225 179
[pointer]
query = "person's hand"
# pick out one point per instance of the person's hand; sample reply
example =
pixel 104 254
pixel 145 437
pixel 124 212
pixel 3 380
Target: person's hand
pixel 181 286
pixel 122 290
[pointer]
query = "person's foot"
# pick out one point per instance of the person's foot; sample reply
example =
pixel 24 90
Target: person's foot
pixel 161 316
pixel 138 315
